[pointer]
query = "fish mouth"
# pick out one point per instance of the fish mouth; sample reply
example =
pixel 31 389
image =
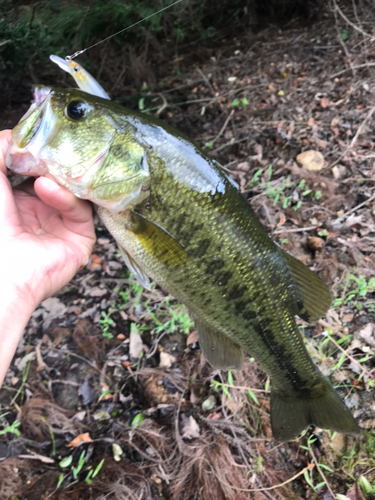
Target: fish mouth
pixel 31 134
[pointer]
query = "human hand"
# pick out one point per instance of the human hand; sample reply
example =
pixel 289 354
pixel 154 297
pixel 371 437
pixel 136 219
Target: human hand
pixel 46 236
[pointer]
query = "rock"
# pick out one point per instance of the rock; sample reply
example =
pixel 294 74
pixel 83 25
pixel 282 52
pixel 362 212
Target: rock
pixel 311 160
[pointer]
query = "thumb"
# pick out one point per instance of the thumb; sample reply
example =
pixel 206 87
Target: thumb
pixel 76 213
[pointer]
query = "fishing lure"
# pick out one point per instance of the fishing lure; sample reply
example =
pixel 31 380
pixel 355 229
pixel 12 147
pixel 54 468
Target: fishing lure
pixel 83 79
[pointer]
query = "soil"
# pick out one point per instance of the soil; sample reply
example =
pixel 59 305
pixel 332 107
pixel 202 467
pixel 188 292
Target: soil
pixel 165 423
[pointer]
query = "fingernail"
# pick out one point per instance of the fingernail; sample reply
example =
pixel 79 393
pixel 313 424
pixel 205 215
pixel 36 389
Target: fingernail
pixel 50 184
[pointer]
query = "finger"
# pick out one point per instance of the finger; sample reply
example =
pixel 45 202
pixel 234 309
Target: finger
pixel 4 141
pixel 73 210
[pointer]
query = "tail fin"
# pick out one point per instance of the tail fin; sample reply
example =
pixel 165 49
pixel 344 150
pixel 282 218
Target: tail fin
pixel 292 414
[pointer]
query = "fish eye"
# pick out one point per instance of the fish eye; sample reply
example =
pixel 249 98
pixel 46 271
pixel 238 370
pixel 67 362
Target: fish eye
pixel 76 110
pixel 75 69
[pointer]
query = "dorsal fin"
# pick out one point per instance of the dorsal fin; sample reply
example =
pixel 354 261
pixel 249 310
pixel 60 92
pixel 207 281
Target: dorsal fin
pixel 313 296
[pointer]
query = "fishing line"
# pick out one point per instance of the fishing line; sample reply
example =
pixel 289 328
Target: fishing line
pixel 79 52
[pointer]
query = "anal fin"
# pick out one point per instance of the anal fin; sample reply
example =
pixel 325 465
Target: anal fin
pixel 219 350
pixel 313 296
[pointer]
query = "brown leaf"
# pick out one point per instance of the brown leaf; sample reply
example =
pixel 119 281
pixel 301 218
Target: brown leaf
pixel 81 438
pixel 192 338
pixel 95 261
pixel 282 219
pixel 311 122
pixel 315 243
pixel 355 493
pixel 324 103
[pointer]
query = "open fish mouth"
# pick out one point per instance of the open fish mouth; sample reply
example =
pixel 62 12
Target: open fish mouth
pixel 31 134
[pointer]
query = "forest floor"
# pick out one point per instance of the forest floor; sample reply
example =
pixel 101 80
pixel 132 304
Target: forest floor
pixel 109 396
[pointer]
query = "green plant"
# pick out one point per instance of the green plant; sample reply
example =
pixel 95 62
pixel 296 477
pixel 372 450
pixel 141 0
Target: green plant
pixel 106 322
pixel 308 474
pixel 137 420
pixel 278 189
pixel 67 462
pixel 243 102
pixel 11 429
pixel 355 288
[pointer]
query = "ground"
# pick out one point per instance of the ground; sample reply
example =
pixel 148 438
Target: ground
pixel 109 395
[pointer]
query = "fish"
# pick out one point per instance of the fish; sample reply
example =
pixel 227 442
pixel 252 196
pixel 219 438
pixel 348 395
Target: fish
pixel 82 77
pixel 179 219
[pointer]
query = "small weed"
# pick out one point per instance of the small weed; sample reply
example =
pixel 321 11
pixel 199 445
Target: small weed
pixel 308 474
pixel 280 193
pixel 137 420
pixel 106 322
pixel 243 102
pixel 12 429
pixel 67 462
pixel 355 288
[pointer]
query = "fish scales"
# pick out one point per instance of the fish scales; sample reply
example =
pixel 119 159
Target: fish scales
pixel 240 280
pixel 179 219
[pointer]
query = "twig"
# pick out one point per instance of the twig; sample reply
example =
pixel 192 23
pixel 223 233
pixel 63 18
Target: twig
pixel 207 81
pixel 351 68
pixel 223 127
pixel 353 141
pixel 245 388
pixel 353 360
pixel 322 474
pixel 342 43
pixel 354 26
pixel 345 215
pixel 295 230
pixel 310 466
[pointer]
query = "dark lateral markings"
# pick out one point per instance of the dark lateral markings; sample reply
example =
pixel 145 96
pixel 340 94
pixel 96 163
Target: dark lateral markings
pixel 283 358
pixel 201 249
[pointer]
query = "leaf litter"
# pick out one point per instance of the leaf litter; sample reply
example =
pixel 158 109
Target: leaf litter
pixel 122 366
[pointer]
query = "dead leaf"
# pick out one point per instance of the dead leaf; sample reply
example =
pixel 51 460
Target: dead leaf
pixel 355 492
pixel 96 291
pixel 282 219
pixel 41 364
pixel 324 103
pixel 190 429
pixel 81 438
pixel 35 456
pixel 315 243
pixel 135 344
pixel 85 391
pixel 367 334
pixel 95 261
pixel 311 160
pixel 311 122
pixel 166 360
pixel 192 338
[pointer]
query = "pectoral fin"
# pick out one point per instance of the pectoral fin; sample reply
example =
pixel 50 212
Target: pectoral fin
pixel 313 296
pixel 135 269
pixel 158 242
pixel 220 351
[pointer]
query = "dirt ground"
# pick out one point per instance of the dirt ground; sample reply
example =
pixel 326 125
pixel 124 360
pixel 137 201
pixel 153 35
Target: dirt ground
pixel 109 396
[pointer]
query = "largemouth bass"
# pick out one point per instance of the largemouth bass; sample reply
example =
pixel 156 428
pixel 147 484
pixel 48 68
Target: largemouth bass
pixel 180 219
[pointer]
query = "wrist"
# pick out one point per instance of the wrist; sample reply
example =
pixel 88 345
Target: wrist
pixel 15 313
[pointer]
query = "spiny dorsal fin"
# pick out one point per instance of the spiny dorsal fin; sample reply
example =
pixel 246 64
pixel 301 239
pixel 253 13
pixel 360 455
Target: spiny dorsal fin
pixel 219 351
pixel 313 296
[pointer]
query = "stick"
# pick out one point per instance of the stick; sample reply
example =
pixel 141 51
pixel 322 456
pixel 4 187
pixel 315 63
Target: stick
pixel 310 466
